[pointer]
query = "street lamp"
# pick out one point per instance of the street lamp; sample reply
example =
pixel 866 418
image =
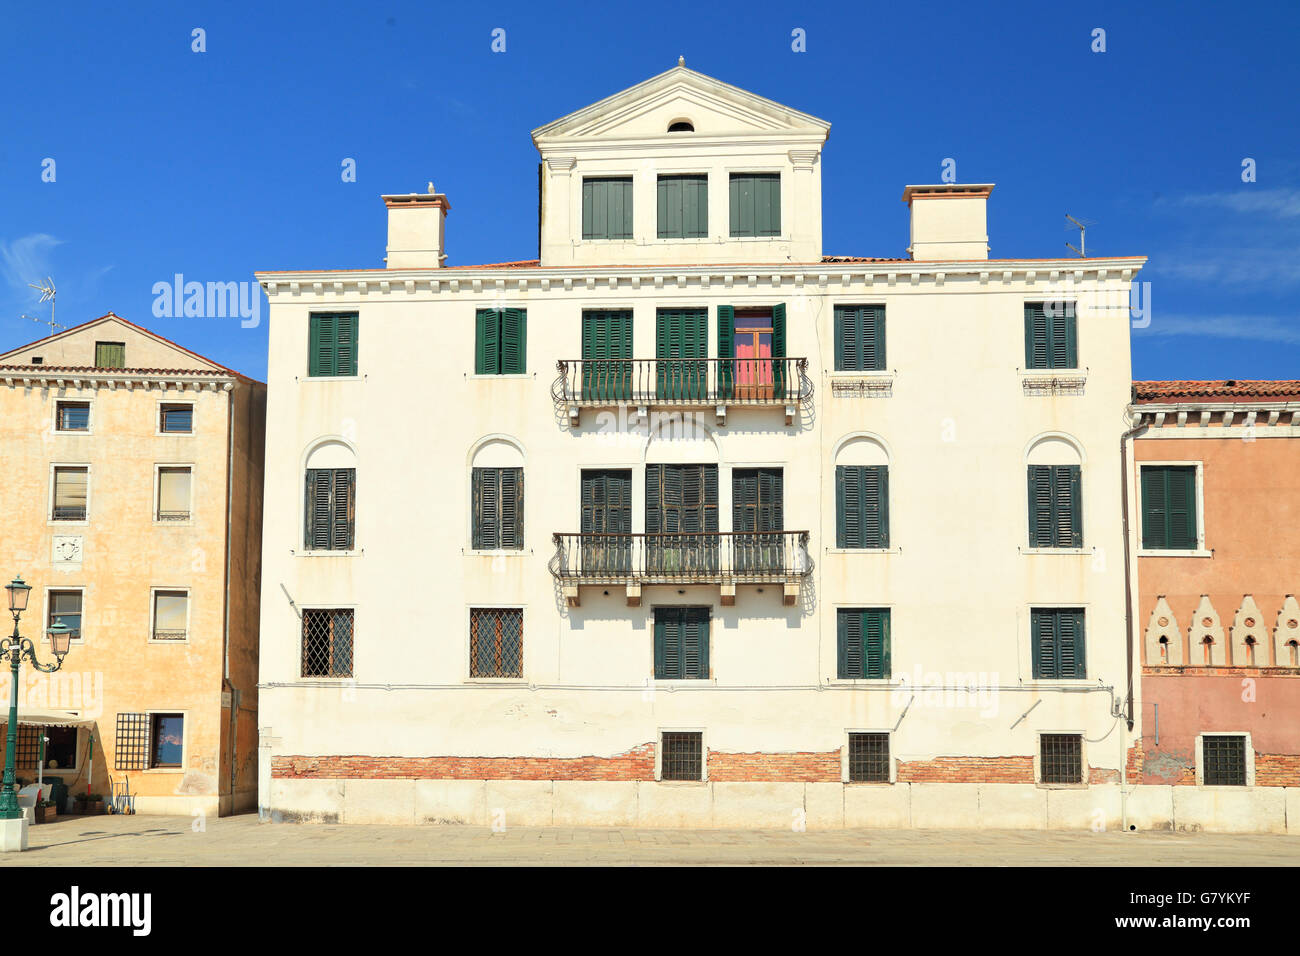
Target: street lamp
pixel 16 648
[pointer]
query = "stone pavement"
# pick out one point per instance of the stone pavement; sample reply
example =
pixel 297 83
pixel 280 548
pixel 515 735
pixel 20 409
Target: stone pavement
pixel 243 841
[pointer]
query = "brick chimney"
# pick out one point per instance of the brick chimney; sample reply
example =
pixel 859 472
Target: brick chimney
pixel 949 221
pixel 416 230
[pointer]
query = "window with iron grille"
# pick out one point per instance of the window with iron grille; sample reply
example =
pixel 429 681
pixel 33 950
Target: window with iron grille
pixel 166 740
pixel 65 609
pixel 29 742
pixel 71 487
pixel 72 416
pixel 173 494
pixel 327 642
pixel 131 747
pixel 869 758
pixel 681 755
pixel 1060 758
pixel 176 419
pixel 1057 643
pixel 496 642
pixel 1224 757
pixel 330 505
pixel 498 509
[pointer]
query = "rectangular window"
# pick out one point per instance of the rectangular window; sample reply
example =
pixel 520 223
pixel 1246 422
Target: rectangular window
pixel 131 744
pixel 861 506
pixel 110 355
pixel 58 753
pixel 607 354
pixel 681 339
pixel 331 509
pixel 176 419
pixel 1055 506
pixel 607 208
pixel 500 341
pixel 681 643
pixel 606 521
pixel 1224 756
pixel 332 344
pixel 65 609
pixel 757 519
pixel 683 207
pixel 869 758
pixel 1169 508
pixel 1051 337
pixel 681 756
pixel 498 509
pixel 681 519
pixel 755 204
pixel 166 740
pixel 859 338
pixel 1057 643
pixel 1060 758
pixel 71 486
pixel 496 642
pixel 173 494
pixel 863 643
pixel 72 417
pixel 171 610
pixel 327 642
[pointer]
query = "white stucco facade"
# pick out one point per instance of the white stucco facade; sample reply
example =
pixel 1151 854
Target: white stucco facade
pixel 954 416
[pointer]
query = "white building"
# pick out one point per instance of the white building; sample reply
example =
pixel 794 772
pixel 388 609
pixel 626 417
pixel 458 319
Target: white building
pixel 837 539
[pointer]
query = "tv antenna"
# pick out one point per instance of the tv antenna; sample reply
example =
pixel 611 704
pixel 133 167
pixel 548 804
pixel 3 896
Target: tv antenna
pixel 48 292
pixel 1082 225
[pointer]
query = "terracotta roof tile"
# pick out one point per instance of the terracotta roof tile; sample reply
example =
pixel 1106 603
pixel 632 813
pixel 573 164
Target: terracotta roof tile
pixel 1221 390
pixel 95 370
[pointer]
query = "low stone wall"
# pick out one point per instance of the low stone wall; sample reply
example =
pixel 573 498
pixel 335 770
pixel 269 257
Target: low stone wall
pixel 781 805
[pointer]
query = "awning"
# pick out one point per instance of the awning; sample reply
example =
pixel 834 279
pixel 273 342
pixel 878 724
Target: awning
pixel 46 718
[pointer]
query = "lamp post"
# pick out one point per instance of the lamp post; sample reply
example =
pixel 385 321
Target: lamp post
pixel 15 648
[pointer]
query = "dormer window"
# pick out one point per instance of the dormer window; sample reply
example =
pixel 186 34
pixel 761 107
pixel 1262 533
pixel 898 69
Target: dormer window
pixel 681 126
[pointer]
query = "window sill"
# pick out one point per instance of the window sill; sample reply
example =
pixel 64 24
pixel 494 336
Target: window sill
pixel 73 431
pixel 162 643
pixel 682 783
pixel 511 376
pixel 497 553
pixel 1032 373
pixel 1061 786
pixel 1081 551
pixel 868 783
pixel 1171 553
pixel 188 434
pixel 164 770
pixel 353 553
pixel 865 681
pixel 894 550
pixel 67 524
pixel 189 523
pixel 496 681
pixel 331 378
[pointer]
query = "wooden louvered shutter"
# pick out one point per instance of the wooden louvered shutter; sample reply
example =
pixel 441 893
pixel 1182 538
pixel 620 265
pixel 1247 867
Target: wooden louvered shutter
pixel 873 328
pixel 1040 506
pixel 320 483
pixel 1065 345
pixel 514 341
pixel 668 643
pixel 778 349
pixel 323 340
pixel 846 339
pixel 1067 517
pixel 1180 494
pixel 695 643
pixel 709 498
pixel 1155 508
pixel 487 508
pixel 848 506
pixel 512 509
pixel 875 506
pixel 770 515
pixel 342 509
pixel 1042 627
pixel 345 352
pixel 849 639
pixel 1036 352
pixel 726 350
pixel 875 644
pixel 654 475
pixel 744 500
pixel 487 342
pixel 1069 644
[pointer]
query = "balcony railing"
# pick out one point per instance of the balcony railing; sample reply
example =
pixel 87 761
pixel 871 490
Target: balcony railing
pixel 173 516
pixel 703 381
pixel 681 558
pixel 169 634
pixel 69 514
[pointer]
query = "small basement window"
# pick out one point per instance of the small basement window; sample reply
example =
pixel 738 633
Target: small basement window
pixel 682 756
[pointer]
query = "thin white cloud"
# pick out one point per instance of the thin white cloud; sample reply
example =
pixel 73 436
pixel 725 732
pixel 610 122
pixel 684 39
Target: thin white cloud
pixel 1281 203
pixel 1258 328
pixel 1233 265
pixel 27 260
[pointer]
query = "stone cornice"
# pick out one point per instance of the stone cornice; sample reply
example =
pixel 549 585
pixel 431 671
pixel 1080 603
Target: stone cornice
pixel 13 377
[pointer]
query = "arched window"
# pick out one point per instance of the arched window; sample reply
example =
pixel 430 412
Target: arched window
pixel 1055 483
pixel 681 126
pixel 862 494
pixel 330 497
pixel 497 496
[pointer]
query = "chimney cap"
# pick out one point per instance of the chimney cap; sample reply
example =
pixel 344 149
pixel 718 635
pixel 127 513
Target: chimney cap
pixel 947 191
pixel 417 199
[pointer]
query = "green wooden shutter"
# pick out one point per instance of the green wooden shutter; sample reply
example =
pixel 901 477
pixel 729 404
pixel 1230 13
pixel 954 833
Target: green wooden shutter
pixel 846 340
pixel 740 207
pixel 726 350
pixel 1042 627
pixel 1040 506
pixel 511 509
pixel 778 349
pixel 709 503
pixel 744 500
pixel 607 208
pixel 873 351
pixel 1062 329
pixel 683 204
pixel 668 196
pixel 1067 518
pixel 322 344
pixel 343 509
pixel 667 660
pixel 1036 344
pixel 1070 644
pixel 848 506
pixel 875 644
pixel 487 342
pixel 695 643
pixel 755 200
pixel 345 349
pixel 514 341
pixel 849 631
pixel 487 508
pixel 1181 495
pixel 1155 508
pixel 110 355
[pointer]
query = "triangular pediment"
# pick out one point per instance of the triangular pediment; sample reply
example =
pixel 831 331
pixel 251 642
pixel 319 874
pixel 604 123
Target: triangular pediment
pixel 75 348
pixel 713 107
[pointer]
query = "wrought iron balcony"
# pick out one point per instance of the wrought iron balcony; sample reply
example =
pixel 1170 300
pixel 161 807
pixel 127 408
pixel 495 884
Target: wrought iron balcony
pixel 725 558
pixel 703 382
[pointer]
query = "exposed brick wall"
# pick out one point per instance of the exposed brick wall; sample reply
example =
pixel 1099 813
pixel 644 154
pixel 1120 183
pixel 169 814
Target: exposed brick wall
pixel 1102 775
pixel 967 770
pixel 635 764
pixel 798 767
pixel 1277 770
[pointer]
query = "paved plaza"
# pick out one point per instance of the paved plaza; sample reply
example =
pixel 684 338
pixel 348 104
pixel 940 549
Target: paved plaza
pixel 243 841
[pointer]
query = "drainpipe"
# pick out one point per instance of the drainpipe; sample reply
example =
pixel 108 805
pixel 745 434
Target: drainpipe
pixel 1128 607
pixel 225 596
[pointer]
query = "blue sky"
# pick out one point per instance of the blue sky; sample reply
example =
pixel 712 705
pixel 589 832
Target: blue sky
pixel 220 163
